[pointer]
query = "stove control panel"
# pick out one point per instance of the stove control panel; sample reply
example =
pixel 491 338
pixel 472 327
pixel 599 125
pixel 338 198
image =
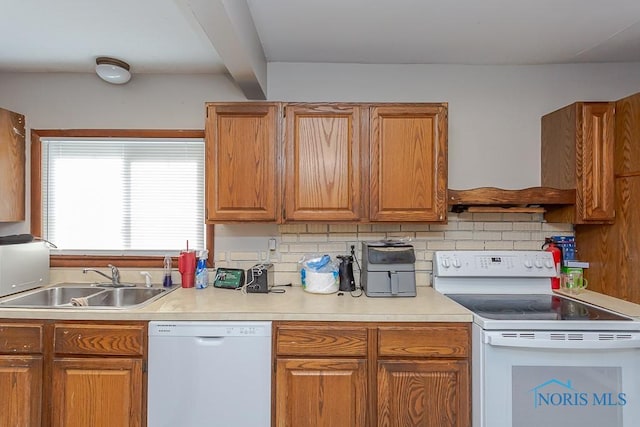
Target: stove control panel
pixel 493 264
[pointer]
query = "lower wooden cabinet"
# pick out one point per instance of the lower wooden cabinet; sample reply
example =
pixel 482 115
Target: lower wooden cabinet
pixel 21 373
pixel 331 392
pixel 97 392
pixel 67 374
pixel 21 391
pixel 372 374
pixel 431 393
pixel 97 373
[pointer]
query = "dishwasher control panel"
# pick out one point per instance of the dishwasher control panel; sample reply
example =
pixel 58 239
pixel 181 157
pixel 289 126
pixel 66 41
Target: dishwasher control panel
pixel 207 329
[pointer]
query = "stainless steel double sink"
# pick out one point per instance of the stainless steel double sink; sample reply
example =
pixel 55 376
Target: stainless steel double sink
pixel 69 295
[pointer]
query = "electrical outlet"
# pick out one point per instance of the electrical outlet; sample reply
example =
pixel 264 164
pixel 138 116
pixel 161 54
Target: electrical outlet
pixel 353 246
pixel 272 244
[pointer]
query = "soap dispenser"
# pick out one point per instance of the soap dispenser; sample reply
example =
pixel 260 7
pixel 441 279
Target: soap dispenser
pixel 166 281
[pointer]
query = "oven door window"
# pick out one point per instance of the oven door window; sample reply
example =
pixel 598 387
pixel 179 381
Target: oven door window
pixel 556 385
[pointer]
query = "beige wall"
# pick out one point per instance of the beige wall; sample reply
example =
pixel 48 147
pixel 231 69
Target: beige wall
pixel 494 111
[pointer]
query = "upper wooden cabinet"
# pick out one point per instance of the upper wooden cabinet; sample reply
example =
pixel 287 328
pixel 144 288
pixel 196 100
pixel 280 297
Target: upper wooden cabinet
pixel 341 162
pixel 578 153
pixel 12 163
pixel 408 162
pixel 242 153
pixel 323 147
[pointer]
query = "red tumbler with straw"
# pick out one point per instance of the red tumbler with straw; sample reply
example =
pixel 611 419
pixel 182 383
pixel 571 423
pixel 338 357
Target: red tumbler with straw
pixel 187 267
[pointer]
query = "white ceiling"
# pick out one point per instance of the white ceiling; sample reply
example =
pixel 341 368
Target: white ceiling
pixel 241 36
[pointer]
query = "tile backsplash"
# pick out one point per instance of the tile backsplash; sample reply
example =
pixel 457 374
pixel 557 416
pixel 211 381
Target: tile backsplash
pixel 470 231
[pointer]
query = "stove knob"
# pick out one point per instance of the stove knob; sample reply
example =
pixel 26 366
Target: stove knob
pixel 538 263
pixel 457 263
pixel 527 263
pixel 548 263
pixel 446 263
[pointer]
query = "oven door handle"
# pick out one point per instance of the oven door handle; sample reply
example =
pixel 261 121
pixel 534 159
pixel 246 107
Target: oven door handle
pixel 497 341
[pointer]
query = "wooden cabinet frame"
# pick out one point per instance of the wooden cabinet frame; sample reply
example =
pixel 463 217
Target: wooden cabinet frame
pixel 324 147
pixel 42 355
pixel 243 157
pixel 408 151
pixel 435 355
pixel 577 152
pixel 341 162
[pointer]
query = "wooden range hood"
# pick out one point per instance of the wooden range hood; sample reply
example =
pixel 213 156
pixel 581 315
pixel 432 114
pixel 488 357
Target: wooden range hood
pixel 492 199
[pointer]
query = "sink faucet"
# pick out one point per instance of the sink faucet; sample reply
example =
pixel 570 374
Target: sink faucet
pixel 115 274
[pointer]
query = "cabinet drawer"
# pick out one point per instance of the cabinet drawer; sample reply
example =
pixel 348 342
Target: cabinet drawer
pixel 16 338
pixel 112 340
pixel 321 341
pixel 437 340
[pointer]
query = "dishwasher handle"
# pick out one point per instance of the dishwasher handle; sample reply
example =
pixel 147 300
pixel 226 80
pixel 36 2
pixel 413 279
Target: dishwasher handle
pixel 210 341
pixel 498 341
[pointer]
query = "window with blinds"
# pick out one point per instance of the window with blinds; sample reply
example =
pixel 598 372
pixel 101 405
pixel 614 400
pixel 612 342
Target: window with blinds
pixel 123 196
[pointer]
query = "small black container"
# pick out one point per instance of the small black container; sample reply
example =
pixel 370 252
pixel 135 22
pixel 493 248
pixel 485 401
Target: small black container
pixel 345 270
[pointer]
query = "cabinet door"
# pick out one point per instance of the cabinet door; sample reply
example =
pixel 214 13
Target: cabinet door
pixel 321 393
pixel 21 391
pixel 595 191
pixel 408 180
pixel 423 393
pixel 98 392
pixel 578 153
pixel 322 151
pixel 12 161
pixel 242 162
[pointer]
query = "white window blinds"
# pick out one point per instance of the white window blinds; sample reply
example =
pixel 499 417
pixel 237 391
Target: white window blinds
pixel 123 196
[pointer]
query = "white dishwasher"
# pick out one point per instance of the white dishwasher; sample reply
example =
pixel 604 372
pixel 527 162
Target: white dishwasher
pixel 209 373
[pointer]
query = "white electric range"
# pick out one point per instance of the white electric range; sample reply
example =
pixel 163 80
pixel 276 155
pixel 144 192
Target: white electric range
pixel 540 359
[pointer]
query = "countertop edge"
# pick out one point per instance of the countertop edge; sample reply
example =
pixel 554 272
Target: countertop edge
pixel 129 315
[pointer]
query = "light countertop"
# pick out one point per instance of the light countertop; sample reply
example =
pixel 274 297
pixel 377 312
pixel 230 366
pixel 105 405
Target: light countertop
pixel 295 304
pixel 605 301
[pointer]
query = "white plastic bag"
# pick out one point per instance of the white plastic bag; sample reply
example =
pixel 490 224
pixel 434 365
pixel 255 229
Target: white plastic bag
pixel 319 274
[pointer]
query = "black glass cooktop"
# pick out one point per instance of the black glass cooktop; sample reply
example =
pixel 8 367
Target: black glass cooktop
pixel 531 307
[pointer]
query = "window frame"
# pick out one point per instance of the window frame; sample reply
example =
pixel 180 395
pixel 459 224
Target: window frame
pixel 36 195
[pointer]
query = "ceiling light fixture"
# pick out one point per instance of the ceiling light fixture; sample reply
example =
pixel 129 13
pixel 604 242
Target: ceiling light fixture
pixel 112 70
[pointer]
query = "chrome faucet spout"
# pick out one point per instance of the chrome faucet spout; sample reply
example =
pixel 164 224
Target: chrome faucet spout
pixel 115 274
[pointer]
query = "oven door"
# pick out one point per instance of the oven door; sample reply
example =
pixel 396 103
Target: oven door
pixel 556 378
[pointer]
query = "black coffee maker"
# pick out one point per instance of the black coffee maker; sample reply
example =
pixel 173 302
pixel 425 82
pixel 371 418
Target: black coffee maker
pixel 345 270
